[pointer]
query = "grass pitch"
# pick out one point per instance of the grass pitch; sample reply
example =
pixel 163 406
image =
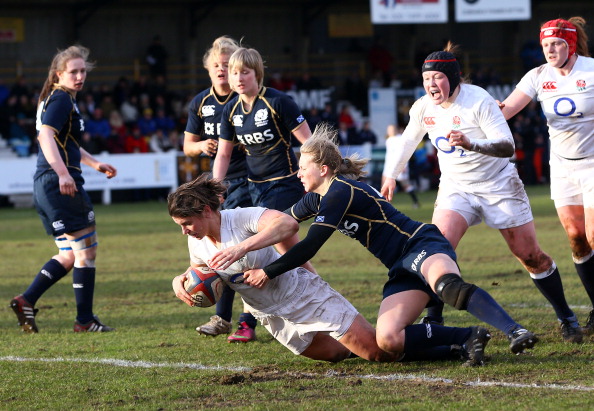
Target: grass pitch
pixel 155 359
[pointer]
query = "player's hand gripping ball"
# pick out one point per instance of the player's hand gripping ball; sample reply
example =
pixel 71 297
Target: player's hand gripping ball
pixel 204 285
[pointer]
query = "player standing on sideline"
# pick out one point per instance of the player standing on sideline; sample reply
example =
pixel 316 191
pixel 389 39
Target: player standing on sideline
pixel 393 134
pixel 478 182
pixel 564 87
pixel 61 201
pixel 421 262
pixel 262 120
pixel 201 137
pixel 298 308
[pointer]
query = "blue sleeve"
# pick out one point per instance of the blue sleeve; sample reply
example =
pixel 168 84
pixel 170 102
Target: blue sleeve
pixel 57 111
pixel 332 208
pixel 194 125
pixel 289 112
pixel 227 129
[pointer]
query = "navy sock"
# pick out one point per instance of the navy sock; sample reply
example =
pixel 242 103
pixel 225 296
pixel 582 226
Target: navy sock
pixel 249 319
pixel 443 352
pixel 421 337
pixel 225 304
pixel 49 274
pixel 486 309
pixel 585 270
pixel 435 311
pixel 83 282
pixel 551 287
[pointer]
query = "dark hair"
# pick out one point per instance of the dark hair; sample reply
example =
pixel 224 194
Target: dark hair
pixel 190 198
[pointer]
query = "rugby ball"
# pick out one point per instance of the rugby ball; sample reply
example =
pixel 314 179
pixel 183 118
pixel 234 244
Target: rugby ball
pixel 204 285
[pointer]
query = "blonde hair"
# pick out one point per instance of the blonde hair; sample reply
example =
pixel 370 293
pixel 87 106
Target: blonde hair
pixel 222 45
pixel 59 63
pixel 322 148
pixel 248 58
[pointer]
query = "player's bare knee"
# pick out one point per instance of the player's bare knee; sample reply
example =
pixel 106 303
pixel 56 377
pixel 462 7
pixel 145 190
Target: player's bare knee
pixel 454 291
pixel 390 343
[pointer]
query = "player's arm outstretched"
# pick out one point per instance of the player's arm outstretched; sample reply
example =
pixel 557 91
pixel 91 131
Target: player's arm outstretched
pixel 274 227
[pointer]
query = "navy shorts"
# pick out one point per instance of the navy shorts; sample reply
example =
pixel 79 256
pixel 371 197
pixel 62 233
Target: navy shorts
pixel 60 213
pixel 405 273
pixel 238 194
pixel 277 194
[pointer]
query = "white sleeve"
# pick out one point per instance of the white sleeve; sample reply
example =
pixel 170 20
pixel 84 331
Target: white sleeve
pixel 499 140
pixel 194 247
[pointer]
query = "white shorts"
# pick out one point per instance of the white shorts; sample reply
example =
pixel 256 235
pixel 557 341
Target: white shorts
pixel 572 181
pixel 505 207
pixel 319 308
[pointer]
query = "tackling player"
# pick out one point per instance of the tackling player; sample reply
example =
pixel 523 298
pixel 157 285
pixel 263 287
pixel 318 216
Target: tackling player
pixel 421 262
pixel 299 309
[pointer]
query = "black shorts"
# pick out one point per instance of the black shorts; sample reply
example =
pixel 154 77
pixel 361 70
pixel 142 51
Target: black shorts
pixel 61 213
pixel 405 273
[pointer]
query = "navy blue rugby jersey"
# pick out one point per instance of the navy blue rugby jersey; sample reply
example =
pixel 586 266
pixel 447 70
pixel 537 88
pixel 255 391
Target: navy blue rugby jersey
pixel 266 133
pixel 204 120
pixel 360 212
pixel 60 112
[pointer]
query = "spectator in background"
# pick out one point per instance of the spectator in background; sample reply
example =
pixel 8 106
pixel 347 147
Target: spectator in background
pixel 329 116
pixel 366 134
pixel 121 91
pixel 99 128
pixel 355 92
pixel 4 92
pixel 313 117
pixel 156 58
pixel 163 121
pixel 129 111
pixel 380 59
pixel 159 142
pixel 90 144
pixel 346 135
pixel 345 116
pixel 20 87
pixel 136 142
pixel 147 123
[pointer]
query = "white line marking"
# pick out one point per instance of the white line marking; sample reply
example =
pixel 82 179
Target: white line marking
pixel 127 363
pixel 333 374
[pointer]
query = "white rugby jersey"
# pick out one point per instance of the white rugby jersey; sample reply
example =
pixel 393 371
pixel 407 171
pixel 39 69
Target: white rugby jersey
pixel 237 225
pixel 568 104
pixel 476 114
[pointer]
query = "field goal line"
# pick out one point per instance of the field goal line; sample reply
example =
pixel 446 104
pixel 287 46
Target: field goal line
pixel 332 374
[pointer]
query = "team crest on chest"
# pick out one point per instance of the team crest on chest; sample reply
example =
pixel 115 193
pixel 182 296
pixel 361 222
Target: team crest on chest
pixel 238 120
pixel 581 85
pixel 208 111
pixel 261 117
pixel 456 122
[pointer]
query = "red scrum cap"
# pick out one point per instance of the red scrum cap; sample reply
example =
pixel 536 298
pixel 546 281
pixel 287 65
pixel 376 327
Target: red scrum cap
pixel 560 29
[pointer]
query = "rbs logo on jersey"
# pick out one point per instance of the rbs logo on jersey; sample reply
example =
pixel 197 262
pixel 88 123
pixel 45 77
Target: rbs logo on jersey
pixel 256 138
